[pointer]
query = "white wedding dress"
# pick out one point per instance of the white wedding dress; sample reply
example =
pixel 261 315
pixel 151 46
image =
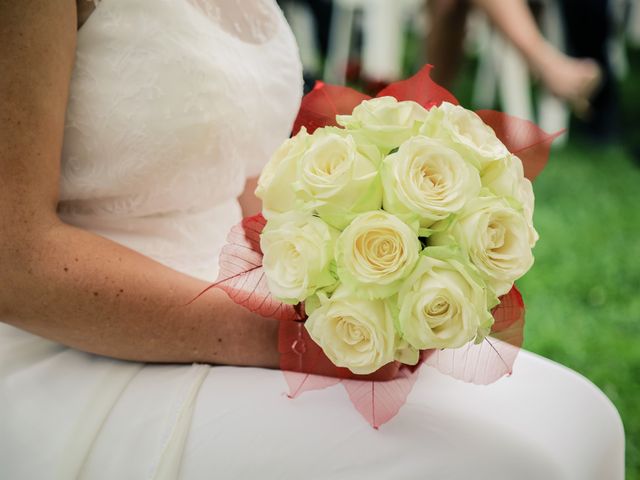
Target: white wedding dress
pixel 173 103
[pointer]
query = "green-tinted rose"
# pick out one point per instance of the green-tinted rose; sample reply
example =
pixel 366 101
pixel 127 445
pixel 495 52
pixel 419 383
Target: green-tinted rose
pixel 444 302
pixel 375 252
pixel 384 121
pixel 275 185
pixel 354 333
pixel 337 178
pixel 427 179
pixel 505 178
pixel 298 255
pixel 496 237
pixel 465 132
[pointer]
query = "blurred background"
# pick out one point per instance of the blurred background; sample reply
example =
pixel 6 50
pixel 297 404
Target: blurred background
pixel 566 64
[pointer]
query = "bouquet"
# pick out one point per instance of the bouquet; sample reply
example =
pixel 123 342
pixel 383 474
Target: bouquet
pixel 392 232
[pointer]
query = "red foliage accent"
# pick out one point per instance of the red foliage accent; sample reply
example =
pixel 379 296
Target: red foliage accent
pixel 378 396
pixel 320 106
pixel 241 274
pixel 300 353
pixel 421 89
pixel 300 382
pixel 490 360
pixel 303 362
pixel 509 318
pixel 379 402
pixel 523 138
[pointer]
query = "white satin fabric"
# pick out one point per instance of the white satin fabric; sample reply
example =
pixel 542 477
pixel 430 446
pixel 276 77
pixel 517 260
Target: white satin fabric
pixel 173 103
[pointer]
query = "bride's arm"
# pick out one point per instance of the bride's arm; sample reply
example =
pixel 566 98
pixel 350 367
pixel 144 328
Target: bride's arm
pixel 70 285
pixel 250 204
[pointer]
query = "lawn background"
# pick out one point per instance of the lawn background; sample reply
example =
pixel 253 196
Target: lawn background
pixel 583 293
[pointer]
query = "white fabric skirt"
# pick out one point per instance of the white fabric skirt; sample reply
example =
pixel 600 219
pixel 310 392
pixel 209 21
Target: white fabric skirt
pixel 66 414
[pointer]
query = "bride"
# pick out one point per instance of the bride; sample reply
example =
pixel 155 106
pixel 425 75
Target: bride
pixel 130 129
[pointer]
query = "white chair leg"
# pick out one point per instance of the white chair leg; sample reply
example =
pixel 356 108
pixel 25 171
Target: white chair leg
pixel 553 113
pixel 304 29
pixel 383 40
pixel 513 81
pixel 486 81
pixel 619 9
pixel 339 44
pixel 633 29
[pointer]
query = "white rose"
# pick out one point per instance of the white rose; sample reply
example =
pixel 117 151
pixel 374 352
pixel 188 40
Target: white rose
pixel 275 185
pixel 354 333
pixel 428 179
pixel 384 121
pixel 527 200
pixel 337 179
pixel 505 178
pixel 405 352
pixel 465 132
pixel 444 303
pixel 298 255
pixel 496 238
pixel 375 252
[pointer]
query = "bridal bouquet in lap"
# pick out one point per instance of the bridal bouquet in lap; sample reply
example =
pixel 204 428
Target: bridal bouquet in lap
pixel 392 232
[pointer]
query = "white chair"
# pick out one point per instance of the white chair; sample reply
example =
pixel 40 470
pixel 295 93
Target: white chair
pixel 383 26
pixel 633 27
pixel 304 29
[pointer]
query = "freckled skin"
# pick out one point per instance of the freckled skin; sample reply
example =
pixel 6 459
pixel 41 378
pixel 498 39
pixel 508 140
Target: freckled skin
pixel 85 306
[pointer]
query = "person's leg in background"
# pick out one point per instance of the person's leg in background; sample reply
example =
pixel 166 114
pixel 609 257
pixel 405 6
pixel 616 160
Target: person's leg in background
pixel 447 21
pixel 571 79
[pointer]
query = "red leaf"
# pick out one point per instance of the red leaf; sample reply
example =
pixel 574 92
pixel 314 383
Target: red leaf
pixel 241 274
pixel 306 367
pixel 421 89
pixel 490 360
pixel 300 355
pixel 303 382
pixel 509 318
pixel 320 106
pixel 522 138
pixel 379 402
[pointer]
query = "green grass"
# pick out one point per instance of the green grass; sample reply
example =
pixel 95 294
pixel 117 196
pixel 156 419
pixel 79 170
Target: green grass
pixel 583 293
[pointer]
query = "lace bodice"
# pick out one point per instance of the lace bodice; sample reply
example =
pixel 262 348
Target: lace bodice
pixel 173 103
